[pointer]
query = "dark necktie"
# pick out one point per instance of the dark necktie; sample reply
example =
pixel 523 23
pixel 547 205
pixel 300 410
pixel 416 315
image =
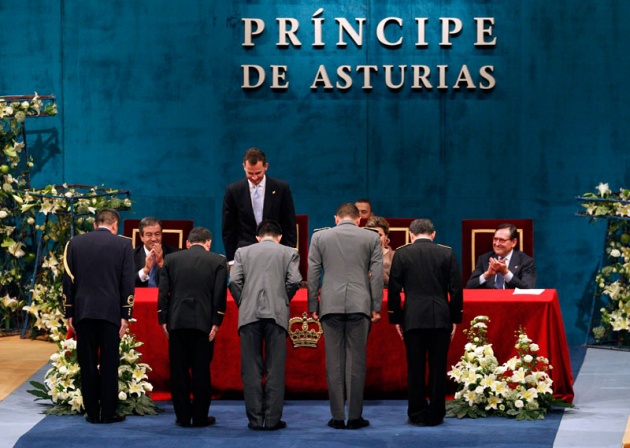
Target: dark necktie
pixel 499 281
pixel 153 274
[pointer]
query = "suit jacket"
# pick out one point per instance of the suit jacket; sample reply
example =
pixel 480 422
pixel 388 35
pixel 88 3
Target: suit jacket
pixel 264 278
pixel 521 265
pixel 348 261
pixel 139 258
pixel 428 273
pixel 98 278
pixel 239 224
pixel 193 290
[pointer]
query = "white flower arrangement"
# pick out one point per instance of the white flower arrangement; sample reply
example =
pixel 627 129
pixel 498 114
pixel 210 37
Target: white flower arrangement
pixel 520 388
pixel 62 383
pixel 613 279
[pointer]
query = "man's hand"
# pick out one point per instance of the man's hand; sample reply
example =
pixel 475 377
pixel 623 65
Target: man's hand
pixel 124 323
pixel 400 332
pixel 159 254
pixel 498 266
pixel 453 331
pixel 149 261
pixel 71 326
pixel 314 315
pixel 376 316
pixel 165 330
pixel 213 332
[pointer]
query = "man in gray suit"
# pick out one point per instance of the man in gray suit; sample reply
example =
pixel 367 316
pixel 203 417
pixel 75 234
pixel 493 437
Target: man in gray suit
pixel 264 278
pixel 348 261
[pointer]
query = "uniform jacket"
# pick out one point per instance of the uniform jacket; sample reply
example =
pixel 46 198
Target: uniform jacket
pixel 99 275
pixel 264 278
pixel 428 273
pixel 193 290
pixel 348 262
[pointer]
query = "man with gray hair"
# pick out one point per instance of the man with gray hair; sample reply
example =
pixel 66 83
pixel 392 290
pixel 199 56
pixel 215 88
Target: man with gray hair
pixel 430 278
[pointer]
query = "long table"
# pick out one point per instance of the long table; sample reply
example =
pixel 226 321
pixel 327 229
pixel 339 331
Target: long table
pixel 386 378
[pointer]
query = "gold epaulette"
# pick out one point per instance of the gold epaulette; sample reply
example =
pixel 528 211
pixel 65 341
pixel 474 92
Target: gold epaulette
pixel 65 262
pixel 123 236
pixel 448 247
pixel 404 245
pixel 323 228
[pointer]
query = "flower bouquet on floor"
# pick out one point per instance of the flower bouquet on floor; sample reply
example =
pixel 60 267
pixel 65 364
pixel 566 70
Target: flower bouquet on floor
pixel 520 388
pixel 62 383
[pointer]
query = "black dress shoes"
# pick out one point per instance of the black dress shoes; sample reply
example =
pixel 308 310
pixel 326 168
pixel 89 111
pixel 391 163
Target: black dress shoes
pixel 336 424
pixel 280 425
pixel 114 419
pixel 203 423
pixel 416 421
pixel 358 423
pixel 253 427
pixel 183 423
pixel 92 420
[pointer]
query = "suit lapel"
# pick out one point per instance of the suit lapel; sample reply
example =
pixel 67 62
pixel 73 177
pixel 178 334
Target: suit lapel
pixel 270 195
pixel 246 199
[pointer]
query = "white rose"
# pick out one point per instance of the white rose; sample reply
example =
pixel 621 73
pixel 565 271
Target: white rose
pixel 528 358
pixel 615 253
pixel 534 347
pixel 122 396
pixel 519 404
pixel 3 214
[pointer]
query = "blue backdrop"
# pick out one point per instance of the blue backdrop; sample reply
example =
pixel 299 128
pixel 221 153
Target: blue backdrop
pixel 150 100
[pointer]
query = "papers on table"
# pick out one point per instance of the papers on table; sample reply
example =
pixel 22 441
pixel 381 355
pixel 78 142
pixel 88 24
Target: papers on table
pixel 534 292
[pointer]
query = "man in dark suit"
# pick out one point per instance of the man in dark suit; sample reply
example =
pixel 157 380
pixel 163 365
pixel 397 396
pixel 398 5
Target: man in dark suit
pixel 506 267
pixel 149 258
pixel 191 305
pixel 248 201
pixel 348 260
pixel 264 278
pixel 98 302
pixel 428 274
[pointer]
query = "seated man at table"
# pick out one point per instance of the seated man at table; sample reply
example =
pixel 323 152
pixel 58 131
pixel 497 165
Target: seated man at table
pixel 149 258
pixel 505 267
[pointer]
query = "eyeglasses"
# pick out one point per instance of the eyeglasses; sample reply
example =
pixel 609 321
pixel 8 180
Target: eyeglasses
pixel 500 240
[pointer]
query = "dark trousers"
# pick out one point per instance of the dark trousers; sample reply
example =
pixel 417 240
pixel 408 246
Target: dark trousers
pixel 345 338
pixel 190 353
pixel 424 346
pixel 97 344
pixel 263 350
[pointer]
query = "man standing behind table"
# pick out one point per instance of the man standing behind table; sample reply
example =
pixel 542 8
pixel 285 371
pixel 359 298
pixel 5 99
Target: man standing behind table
pixel 428 273
pixel 149 258
pixel 506 267
pixel 191 305
pixel 264 278
pixel 98 302
pixel 248 201
pixel 348 261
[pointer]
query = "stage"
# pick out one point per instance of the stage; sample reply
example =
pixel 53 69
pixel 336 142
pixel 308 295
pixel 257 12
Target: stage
pixel 386 378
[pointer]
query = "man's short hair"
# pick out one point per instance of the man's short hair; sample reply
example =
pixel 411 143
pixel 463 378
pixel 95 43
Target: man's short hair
pixel 421 227
pixel 199 235
pixel 147 222
pixel 378 221
pixel 268 227
pixel 254 155
pixel 347 210
pixel 107 216
pixel 512 227
pixel 365 201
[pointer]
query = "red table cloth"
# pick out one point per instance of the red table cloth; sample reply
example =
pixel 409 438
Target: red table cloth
pixel 386 378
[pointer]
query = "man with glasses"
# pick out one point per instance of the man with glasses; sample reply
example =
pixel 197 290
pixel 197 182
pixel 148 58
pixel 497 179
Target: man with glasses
pixel 505 267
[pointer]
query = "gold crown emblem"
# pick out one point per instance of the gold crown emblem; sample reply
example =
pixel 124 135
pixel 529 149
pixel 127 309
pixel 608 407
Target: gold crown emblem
pixel 306 333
